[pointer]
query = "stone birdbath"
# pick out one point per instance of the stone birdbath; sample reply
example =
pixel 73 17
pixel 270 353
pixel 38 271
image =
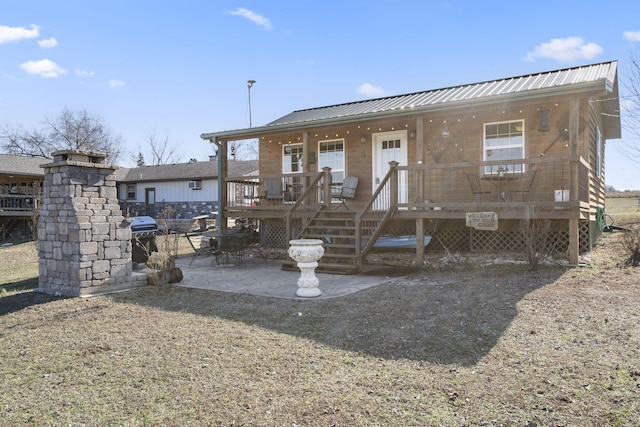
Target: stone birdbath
pixel 307 252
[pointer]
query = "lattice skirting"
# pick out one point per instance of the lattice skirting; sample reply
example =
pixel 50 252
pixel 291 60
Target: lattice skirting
pixel 457 237
pixel 273 233
pixel 454 235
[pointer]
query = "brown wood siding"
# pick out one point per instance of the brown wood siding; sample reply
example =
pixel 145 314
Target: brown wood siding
pixel 464 144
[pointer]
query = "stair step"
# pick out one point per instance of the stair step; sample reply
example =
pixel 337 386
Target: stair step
pixel 332 227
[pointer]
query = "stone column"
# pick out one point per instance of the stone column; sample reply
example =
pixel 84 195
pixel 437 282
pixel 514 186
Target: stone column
pixel 84 241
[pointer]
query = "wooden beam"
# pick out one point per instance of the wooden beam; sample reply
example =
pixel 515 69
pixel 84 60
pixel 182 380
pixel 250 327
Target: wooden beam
pixel 420 153
pixel 574 176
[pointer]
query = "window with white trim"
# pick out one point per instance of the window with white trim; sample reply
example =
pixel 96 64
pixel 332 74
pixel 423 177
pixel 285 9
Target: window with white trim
pixel 599 151
pixel 504 141
pixel 131 192
pixel 331 153
pixel 292 158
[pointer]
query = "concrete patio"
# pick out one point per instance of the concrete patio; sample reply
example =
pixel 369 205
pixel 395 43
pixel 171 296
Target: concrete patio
pixel 264 277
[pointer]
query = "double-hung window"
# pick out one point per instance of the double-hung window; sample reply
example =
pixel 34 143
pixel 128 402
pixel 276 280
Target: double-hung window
pixel 504 141
pixel 131 192
pixel 292 163
pixel 331 153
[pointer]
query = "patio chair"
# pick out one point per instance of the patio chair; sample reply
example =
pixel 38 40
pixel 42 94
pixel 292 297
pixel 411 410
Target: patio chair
pixel 200 246
pixel 231 244
pixel 523 186
pixel 273 191
pixel 476 187
pixel 346 191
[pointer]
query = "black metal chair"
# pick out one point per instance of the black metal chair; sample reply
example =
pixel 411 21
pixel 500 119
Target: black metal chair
pixel 231 244
pixel 523 186
pixel 476 187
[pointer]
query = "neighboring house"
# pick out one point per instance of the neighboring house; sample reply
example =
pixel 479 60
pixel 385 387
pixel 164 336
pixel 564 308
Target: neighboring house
pixel 464 164
pixel 191 189
pixel 21 180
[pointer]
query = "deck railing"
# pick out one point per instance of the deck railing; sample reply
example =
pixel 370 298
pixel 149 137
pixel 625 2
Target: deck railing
pixel 18 204
pixel 563 187
pixel 270 192
pixel 503 184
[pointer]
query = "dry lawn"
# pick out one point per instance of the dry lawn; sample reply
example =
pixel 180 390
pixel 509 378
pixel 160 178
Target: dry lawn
pixel 465 345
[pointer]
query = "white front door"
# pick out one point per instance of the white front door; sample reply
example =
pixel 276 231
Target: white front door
pixel 387 147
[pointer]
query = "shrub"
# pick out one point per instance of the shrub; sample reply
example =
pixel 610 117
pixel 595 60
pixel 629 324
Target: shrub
pixel 631 242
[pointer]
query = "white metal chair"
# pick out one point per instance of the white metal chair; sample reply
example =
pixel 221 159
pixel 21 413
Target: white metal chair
pixel 346 191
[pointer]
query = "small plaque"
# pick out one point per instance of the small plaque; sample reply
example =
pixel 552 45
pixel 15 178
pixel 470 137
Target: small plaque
pixel 482 220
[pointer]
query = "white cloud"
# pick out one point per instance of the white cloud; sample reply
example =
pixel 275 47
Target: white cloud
pixel 48 43
pixel 627 105
pixel 569 49
pixel 116 84
pixel 634 36
pixel 83 73
pixel 44 68
pixel 15 34
pixel 371 91
pixel 253 17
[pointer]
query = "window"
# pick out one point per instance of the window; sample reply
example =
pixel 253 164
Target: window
pixel 195 185
pixel 331 153
pixel 504 141
pixel 292 158
pixel 599 151
pixel 131 192
pixel 292 163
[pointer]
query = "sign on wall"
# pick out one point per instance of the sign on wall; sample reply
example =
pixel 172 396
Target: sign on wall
pixel 482 220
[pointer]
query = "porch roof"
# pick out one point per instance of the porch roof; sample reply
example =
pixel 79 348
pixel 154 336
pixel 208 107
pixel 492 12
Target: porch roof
pixel 17 165
pixel 601 76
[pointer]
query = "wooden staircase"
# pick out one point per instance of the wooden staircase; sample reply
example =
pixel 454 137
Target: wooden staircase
pixel 336 228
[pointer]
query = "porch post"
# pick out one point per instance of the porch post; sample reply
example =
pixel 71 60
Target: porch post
pixel 326 187
pixel 421 196
pixel 223 167
pixel 393 190
pixel 574 184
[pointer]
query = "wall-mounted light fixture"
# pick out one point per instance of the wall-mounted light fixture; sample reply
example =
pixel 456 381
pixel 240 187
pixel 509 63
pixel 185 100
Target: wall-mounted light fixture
pixel 312 157
pixel 412 133
pixel 445 132
pixel 543 119
pixel 287 149
pixel 363 139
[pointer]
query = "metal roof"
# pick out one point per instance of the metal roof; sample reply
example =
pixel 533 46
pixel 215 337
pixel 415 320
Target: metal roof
pixel 587 77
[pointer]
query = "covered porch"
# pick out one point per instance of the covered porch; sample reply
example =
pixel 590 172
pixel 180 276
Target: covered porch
pixel 540 188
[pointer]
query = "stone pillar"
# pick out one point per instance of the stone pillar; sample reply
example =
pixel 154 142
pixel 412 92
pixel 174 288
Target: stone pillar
pixel 84 241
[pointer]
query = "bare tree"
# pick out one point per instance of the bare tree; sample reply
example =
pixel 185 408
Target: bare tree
pixel 70 130
pixel 161 151
pixel 631 120
pixel 17 140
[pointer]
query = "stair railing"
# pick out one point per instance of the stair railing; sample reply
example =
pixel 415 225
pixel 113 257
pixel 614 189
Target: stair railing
pixel 371 219
pixel 312 199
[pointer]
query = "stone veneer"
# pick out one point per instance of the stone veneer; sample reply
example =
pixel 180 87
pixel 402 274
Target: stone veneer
pixel 84 241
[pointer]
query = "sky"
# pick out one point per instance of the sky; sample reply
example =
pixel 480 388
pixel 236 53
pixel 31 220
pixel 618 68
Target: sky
pixel 177 69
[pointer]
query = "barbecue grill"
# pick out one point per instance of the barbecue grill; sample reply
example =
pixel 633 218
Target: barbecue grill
pixel 143 237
